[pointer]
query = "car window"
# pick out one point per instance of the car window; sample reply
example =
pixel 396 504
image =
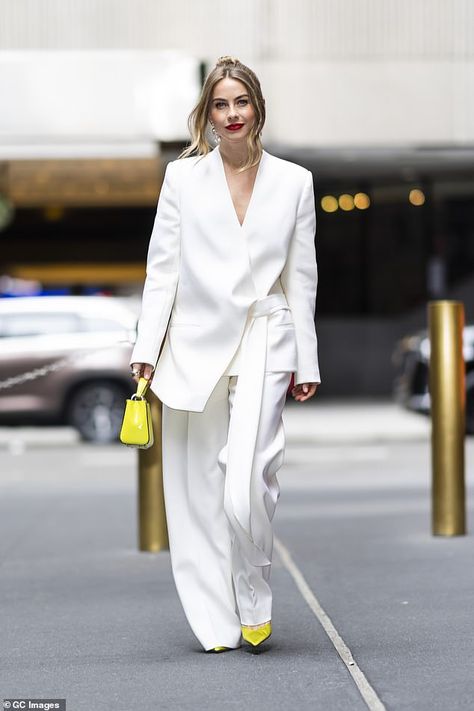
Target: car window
pixel 100 324
pixel 37 324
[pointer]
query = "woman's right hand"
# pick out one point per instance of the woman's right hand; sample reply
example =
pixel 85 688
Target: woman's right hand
pixel 144 370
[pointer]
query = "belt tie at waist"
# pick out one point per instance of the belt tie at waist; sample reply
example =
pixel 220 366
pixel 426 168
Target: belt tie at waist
pixel 243 427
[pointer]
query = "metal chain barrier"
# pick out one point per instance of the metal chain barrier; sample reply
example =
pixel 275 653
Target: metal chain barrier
pixel 46 369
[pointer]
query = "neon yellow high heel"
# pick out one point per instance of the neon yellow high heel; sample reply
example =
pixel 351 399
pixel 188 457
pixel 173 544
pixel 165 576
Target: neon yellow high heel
pixel 220 649
pixel 257 636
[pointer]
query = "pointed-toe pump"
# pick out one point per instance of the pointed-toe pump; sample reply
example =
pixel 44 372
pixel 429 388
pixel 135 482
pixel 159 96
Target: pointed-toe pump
pixel 220 649
pixel 257 636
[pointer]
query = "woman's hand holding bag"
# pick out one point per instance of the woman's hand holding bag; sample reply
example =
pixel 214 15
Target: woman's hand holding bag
pixel 137 426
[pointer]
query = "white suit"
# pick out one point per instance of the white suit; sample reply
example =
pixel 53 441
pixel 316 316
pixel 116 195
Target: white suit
pixel 227 315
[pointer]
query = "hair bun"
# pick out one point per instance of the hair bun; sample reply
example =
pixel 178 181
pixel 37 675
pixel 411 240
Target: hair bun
pixel 226 60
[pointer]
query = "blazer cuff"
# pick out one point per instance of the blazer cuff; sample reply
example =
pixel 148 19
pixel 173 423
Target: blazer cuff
pixel 309 374
pixel 143 356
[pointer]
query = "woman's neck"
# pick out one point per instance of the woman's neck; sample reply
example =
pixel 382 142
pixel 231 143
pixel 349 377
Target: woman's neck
pixel 234 155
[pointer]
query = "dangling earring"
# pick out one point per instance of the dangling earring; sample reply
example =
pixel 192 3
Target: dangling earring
pixel 217 138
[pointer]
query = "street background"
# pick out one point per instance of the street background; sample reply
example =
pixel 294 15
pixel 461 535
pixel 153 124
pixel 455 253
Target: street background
pixel 88 617
pixel 376 99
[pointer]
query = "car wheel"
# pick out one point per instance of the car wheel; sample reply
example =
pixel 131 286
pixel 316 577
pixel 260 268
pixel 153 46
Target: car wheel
pixel 96 411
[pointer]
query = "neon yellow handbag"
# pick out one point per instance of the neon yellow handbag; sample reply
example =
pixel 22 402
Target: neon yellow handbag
pixel 137 426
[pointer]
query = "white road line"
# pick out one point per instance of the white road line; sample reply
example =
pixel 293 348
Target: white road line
pixel 366 690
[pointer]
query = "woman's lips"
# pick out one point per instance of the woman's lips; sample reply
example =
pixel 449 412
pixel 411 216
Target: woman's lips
pixel 234 126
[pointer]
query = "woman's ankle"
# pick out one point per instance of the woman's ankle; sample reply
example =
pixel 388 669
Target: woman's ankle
pixel 256 627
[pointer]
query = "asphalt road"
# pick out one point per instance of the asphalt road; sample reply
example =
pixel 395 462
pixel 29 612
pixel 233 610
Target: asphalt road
pixel 370 610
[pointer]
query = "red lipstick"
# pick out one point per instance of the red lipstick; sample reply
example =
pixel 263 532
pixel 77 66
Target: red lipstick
pixel 234 126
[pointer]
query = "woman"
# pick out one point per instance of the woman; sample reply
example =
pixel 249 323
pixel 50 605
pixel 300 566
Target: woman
pixel 227 316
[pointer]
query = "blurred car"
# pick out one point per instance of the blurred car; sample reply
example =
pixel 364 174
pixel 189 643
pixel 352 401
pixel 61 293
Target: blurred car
pixel 84 343
pixel 411 358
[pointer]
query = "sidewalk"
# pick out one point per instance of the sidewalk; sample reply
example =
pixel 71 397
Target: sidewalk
pixel 87 617
pixel 320 421
pixel 353 421
pixel 401 598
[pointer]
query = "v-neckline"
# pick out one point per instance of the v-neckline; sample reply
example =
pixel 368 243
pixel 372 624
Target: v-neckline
pixel 227 188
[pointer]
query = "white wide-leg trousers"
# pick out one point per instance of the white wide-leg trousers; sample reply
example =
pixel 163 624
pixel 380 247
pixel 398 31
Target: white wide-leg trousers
pixel 217 585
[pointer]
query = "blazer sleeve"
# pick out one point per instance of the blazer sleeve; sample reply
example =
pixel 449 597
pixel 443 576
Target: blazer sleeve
pixel 162 269
pixel 299 280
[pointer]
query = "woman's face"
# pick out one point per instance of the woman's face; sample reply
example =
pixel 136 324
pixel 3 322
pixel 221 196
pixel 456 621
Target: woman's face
pixel 231 107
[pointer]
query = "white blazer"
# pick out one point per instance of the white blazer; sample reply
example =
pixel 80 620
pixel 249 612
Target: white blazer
pixel 207 276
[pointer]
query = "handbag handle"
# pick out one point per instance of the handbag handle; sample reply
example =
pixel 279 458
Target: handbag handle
pixel 142 387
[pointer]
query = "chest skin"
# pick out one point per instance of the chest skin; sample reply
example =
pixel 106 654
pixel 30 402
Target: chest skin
pixel 241 187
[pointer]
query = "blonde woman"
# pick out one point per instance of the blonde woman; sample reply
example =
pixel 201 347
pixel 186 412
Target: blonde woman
pixel 227 316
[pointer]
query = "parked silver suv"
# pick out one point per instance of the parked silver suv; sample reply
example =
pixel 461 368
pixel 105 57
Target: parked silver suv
pixel 87 341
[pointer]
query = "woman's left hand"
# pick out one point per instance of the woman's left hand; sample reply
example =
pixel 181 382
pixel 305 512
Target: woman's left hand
pixel 303 391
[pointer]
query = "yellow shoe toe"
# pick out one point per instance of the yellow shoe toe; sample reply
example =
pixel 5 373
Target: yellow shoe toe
pixel 256 636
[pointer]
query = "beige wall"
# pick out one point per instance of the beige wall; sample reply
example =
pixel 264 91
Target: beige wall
pixel 334 72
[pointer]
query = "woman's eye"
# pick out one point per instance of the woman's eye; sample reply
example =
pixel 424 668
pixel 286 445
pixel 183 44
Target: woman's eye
pixel 220 104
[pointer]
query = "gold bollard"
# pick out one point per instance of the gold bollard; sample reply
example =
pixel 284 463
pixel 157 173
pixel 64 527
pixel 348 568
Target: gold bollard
pixel 153 531
pixel 448 412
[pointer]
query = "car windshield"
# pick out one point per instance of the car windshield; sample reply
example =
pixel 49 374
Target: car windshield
pixel 37 324
pixel 49 324
pixel 100 324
